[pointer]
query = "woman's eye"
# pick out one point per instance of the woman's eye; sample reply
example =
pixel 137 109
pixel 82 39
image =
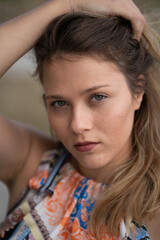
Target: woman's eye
pixel 58 103
pixel 98 97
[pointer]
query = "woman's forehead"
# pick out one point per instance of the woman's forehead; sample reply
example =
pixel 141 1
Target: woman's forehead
pixel 81 75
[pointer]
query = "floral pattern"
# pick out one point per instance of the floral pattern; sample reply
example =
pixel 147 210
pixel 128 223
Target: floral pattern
pixel 65 214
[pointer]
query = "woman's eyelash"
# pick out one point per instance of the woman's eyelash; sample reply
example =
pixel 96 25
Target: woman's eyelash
pixel 59 103
pixel 97 98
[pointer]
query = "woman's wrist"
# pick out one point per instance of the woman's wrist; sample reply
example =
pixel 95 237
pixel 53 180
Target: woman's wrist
pixel 58 7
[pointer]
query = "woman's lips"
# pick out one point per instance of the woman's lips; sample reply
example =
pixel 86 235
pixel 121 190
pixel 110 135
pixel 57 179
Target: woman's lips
pixel 85 146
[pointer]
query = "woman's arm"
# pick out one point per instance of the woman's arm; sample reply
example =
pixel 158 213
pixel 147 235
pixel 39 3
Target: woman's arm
pixel 21 149
pixel 20 34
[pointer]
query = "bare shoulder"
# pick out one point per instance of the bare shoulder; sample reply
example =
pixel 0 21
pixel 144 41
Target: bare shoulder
pixel 153 227
pixel 21 150
pixel 40 143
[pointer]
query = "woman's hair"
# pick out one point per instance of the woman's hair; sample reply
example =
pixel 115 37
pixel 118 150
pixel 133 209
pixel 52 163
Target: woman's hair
pixel 135 188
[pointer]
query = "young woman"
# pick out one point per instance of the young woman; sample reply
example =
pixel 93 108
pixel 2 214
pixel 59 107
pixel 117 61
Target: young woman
pixel 102 96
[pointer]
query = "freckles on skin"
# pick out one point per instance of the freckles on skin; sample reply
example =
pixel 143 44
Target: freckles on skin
pixel 117 124
pixel 111 120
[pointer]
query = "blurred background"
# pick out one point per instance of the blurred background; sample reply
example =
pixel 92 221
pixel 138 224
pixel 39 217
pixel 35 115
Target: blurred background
pixel 20 93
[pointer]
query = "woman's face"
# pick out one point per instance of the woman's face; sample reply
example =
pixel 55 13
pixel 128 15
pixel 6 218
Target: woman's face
pixel 91 109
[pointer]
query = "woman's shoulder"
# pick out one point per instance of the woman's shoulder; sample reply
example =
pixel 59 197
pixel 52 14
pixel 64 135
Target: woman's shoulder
pixel 39 144
pixel 150 230
pixel 153 227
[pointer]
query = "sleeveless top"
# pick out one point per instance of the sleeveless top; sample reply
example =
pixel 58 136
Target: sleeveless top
pixel 57 205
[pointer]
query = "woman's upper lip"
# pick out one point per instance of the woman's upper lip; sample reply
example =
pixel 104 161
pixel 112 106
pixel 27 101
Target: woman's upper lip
pixel 84 143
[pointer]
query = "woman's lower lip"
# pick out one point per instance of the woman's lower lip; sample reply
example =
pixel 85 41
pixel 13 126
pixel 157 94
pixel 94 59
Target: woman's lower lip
pixel 86 148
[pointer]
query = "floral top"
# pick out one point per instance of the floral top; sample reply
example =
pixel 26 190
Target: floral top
pixel 57 206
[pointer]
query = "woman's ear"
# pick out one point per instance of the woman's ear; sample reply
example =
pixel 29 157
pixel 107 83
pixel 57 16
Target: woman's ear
pixel 138 96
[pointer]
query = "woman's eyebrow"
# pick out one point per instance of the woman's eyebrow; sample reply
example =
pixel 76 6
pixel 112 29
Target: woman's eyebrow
pixel 94 88
pixel 83 92
pixel 54 97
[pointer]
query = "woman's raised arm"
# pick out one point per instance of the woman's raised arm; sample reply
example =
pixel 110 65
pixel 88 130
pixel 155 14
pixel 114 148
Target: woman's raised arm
pixel 18 36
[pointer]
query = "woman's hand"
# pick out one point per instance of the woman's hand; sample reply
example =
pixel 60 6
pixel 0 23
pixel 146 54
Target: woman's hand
pixel 123 8
pixel 20 34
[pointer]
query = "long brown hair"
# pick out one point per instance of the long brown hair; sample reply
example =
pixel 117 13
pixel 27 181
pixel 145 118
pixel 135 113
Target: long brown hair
pixel 135 187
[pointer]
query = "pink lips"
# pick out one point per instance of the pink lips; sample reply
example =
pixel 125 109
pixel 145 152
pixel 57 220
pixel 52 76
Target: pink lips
pixel 85 146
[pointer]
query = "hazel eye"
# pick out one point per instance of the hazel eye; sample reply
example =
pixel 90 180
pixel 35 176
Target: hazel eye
pixel 98 97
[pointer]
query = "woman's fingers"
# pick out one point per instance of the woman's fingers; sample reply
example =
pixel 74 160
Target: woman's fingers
pixel 123 8
pixel 128 10
pixel 138 25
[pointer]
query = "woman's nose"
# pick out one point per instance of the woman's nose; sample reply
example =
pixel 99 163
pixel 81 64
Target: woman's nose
pixel 81 120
